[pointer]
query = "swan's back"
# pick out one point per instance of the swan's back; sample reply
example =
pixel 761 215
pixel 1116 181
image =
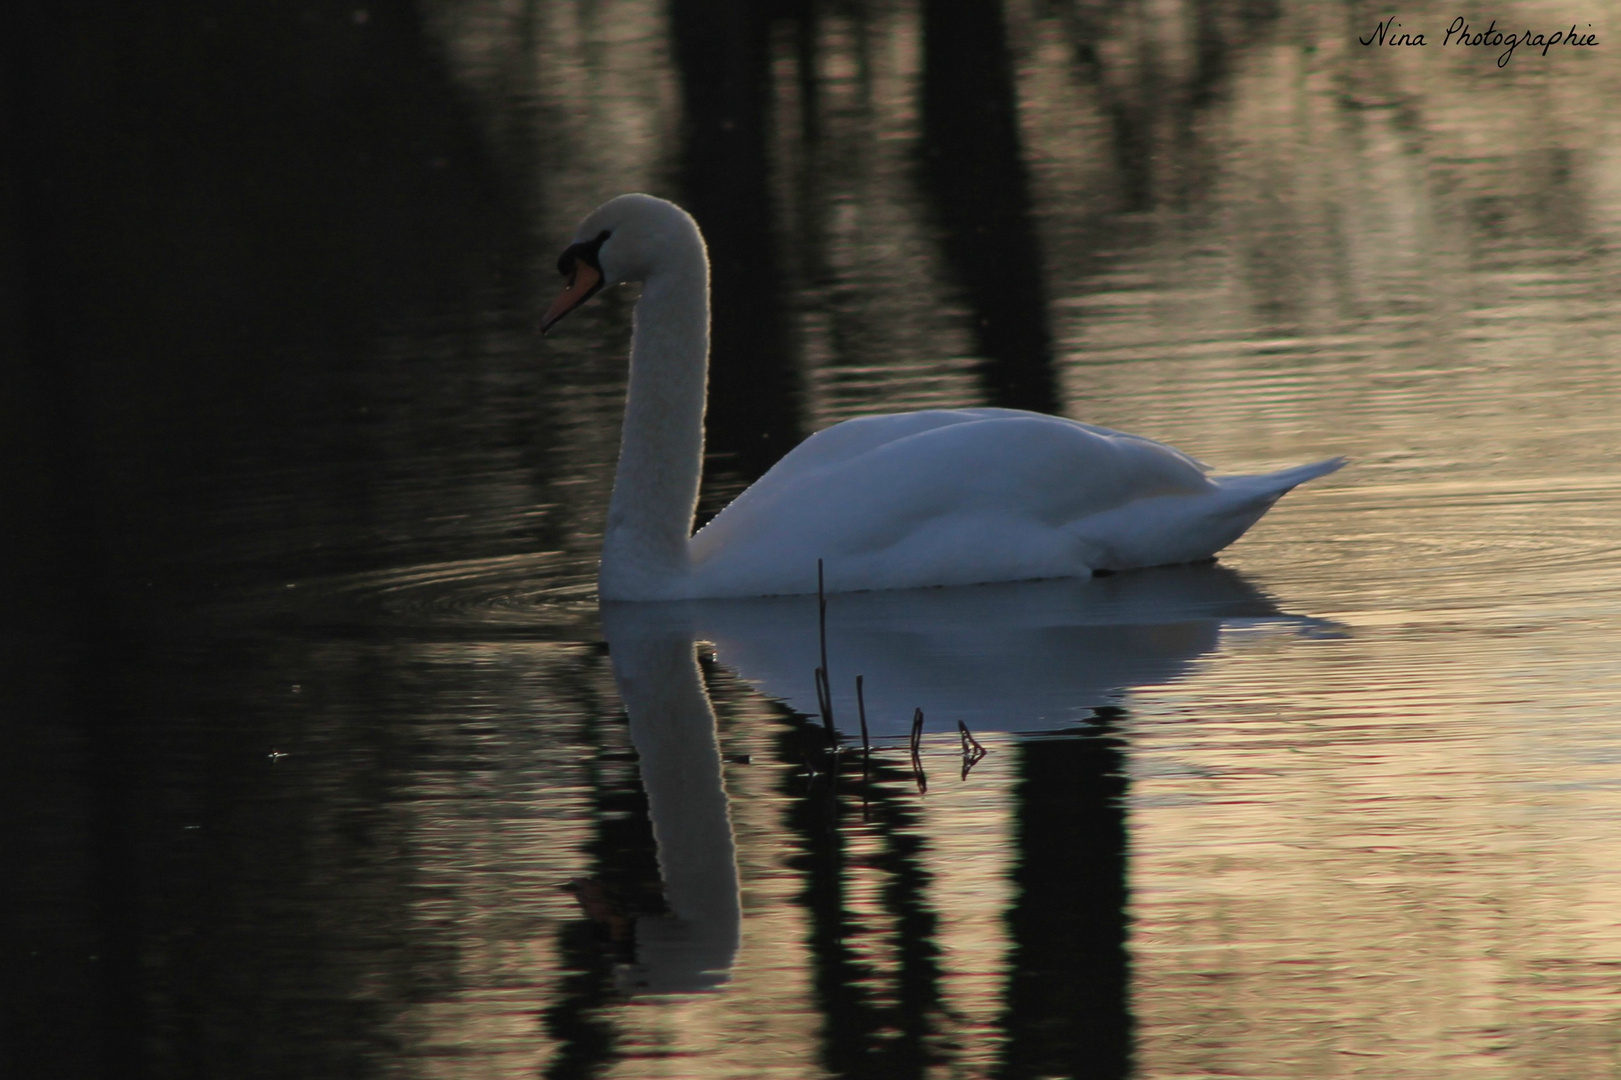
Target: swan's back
pixel 968 495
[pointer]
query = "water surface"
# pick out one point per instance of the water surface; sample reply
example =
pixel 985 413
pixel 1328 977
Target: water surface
pixel 332 771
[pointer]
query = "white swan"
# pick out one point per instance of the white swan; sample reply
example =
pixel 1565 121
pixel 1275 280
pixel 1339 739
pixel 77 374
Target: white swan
pixel 940 497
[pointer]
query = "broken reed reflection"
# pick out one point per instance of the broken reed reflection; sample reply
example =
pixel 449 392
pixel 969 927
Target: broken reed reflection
pixel 972 751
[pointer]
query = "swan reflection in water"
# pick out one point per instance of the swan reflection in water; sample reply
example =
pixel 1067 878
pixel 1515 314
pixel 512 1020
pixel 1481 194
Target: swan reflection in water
pixel 672 726
pixel 1024 657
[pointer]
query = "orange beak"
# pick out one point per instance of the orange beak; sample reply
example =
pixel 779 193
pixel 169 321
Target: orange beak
pixel 581 285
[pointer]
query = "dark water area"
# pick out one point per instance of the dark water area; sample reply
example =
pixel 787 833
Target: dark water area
pixel 212 214
pixel 322 760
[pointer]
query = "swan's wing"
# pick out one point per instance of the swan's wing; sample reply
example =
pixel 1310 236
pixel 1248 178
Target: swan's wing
pixel 867 484
pixel 846 442
pixel 851 439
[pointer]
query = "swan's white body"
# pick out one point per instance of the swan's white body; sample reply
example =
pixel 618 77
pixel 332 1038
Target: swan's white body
pixel 943 497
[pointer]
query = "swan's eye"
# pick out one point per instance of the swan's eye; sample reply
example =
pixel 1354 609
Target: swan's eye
pixel 585 251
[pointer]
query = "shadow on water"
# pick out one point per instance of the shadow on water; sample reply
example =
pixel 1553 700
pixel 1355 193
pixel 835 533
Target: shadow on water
pixel 208 213
pixel 221 213
pixel 974 172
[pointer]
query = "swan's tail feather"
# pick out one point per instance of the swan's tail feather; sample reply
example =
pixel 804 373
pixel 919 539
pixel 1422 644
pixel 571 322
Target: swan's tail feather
pixel 1264 489
pixel 1291 478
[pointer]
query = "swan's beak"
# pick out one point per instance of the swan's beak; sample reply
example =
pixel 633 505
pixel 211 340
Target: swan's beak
pixel 582 285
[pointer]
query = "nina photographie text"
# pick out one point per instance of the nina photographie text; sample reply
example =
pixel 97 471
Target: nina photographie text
pixel 1389 32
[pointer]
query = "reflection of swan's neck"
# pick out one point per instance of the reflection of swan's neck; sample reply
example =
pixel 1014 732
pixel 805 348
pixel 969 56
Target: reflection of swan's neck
pixel 673 729
pixel 644 551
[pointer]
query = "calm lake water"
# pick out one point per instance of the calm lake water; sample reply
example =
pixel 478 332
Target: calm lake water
pixel 324 761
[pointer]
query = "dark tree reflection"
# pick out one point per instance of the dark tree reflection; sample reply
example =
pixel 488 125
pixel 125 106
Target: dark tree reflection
pixel 722 49
pixel 975 174
pixel 1066 998
pixel 876 1024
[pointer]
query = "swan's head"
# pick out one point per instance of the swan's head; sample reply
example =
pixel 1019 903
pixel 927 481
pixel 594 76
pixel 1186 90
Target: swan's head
pixel 629 238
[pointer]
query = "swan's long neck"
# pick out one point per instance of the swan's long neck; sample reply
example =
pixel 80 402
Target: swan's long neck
pixel 644 551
